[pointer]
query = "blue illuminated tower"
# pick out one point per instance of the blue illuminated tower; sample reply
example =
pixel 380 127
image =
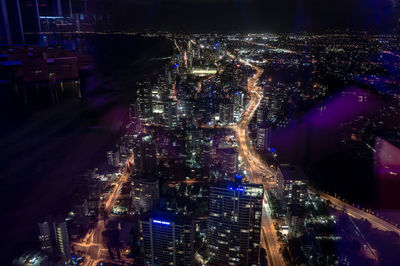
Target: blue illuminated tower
pixel 166 240
pixel 234 225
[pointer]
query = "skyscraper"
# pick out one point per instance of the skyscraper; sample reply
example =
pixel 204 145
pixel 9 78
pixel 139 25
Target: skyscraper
pixel 194 147
pixel 143 104
pixel 291 185
pixel 229 160
pixel 260 114
pixel 295 216
pixel 145 155
pixel 45 236
pixel 166 240
pixel 145 193
pixel 238 102
pixel 53 235
pixel 263 141
pixel 172 114
pixel 193 140
pixel 62 239
pixel 113 158
pixel 234 225
pixel 226 112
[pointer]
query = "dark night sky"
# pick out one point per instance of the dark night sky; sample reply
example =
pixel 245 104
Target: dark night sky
pixel 252 15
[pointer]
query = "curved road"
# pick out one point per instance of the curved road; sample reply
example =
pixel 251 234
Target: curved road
pixel 93 241
pixel 257 170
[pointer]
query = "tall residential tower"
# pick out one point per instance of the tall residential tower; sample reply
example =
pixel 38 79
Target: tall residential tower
pixel 166 240
pixel 234 225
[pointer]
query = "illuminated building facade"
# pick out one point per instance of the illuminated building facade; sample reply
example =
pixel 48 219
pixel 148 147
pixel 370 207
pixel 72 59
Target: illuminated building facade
pixel 62 239
pixel 194 144
pixel 234 225
pixel 45 236
pixel 238 102
pixel 263 141
pixel 226 112
pixel 143 105
pixel 291 185
pixel 166 241
pixel 113 158
pixel 172 114
pixel 145 155
pixel 53 235
pixel 145 193
pixel 260 114
pixel 229 160
pixel 295 216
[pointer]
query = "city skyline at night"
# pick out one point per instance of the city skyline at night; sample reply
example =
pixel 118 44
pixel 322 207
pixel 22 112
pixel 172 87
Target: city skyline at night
pixel 199 132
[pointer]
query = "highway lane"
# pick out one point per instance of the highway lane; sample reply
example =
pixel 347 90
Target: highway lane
pixel 93 241
pixel 257 170
pixel 354 212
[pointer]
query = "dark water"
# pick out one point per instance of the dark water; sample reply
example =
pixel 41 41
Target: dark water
pixel 320 143
pixel 44 152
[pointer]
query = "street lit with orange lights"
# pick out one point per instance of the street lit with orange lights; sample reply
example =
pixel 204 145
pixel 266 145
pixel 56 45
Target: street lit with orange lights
pixel 357 213
pixel 257 170
pixel 92 244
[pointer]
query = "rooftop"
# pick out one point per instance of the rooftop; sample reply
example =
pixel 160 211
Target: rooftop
pixel 31 258
pixel 291 172
pixel 167 218
pixel 228 150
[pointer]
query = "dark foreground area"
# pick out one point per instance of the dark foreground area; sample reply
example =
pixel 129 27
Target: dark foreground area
pixel 47 149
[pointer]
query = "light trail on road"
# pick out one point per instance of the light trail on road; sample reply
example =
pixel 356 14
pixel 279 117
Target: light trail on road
pixel 257 170
pixel 94 237
pixel 356 213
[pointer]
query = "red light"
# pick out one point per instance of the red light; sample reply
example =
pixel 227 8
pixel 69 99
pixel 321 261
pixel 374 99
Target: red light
pixel 238 65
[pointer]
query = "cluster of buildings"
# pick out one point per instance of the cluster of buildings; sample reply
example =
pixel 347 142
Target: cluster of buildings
pixel 292 192
pixel 180 150
pixel 191 100
pixel 306 225
pixel 53 235
pixel 284 98
pixel 55 245
pixel 174 146
pixel 232 237
pixel 187 191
